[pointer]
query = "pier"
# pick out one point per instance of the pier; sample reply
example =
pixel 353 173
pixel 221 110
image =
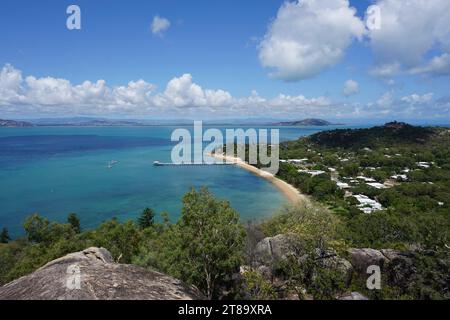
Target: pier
pixel 171 164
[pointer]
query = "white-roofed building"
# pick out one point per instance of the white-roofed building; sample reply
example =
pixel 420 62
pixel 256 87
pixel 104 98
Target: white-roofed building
pixel 376 185
pixel 297 161
pixel 312 172
pixel 367 205
pixel 342 185
pixel 366 179
pixel 403 177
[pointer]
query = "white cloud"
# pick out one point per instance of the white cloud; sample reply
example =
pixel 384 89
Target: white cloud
pixel 409 31
pixel 350 87
pixel 136 93
pixel 183 92
pixel 386 100
pixel 159 25
pixel 10 82
pixel 418 99
pixel 387 70
pixel 439 65
pixel 308 36
pixel 182 97
pixel 49 91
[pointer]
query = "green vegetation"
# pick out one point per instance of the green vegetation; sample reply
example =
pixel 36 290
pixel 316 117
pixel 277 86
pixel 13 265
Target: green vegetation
pixel 403 170
pixel 146 219
pixel 203 248
pixel 412 166
pixel 415 210
pixel 4 236
pixel 73 220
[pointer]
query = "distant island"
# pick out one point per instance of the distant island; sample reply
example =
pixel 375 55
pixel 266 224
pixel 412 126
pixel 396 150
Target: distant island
pixel 13 123
pixel 305 123
pixel 104 122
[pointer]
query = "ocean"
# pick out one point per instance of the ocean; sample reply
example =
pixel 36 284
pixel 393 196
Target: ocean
pixel 55 171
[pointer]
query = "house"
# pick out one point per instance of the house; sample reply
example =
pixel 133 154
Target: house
pixel 312 172
pixel 297 161
pixel 367 205
pixel 342 185
pixel 403 177
pixel 366 179
pixel 376 185
pixel 423 164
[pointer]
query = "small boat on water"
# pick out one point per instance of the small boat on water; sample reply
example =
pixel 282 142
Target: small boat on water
pixel 157 164
pixel 112 163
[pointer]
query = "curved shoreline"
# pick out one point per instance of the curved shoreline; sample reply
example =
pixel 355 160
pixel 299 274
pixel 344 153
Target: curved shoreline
pixel 290 192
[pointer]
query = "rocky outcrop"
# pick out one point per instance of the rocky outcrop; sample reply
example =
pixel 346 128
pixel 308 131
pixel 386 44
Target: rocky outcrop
pixel 91 274
pixel 361 259
pixel 329 259
pixel 271 250
pixel 353 296
pixel 397 266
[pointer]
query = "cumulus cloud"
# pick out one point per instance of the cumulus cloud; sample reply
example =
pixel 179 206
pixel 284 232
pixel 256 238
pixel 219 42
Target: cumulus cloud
pixel 183 92
pixel 350 87
pixel 411 31
pixel 413 106
pixel 181 95
pixel 439 65
pixel 418 99
pixel 159 25
pixel 10 82
pixel 307 36
pixel 136 93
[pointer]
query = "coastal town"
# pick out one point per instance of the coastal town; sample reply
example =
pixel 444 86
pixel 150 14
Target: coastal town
pixel 370 170
pixel 348 183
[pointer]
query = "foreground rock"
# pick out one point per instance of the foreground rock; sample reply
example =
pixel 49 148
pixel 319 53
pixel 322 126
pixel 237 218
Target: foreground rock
pixel 363 258
pixel 91 274
pixel 353 296
pixel 272 250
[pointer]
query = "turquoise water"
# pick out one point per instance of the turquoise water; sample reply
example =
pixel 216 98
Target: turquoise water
pixel 58 170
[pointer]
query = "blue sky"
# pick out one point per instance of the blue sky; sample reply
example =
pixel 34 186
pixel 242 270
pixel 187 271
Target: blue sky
pixel 219 46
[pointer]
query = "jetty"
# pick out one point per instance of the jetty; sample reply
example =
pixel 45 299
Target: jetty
pixel 190 164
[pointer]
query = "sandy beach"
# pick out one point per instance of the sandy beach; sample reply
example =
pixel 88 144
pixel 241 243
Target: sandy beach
pixel 290 192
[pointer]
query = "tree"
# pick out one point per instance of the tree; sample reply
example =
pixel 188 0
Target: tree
pixel 73 220
pixel 350 170
pixel 39 230
pixel 207 242
pixel 4 236
pixel 146 219
pixel 35 227
pixel 121 239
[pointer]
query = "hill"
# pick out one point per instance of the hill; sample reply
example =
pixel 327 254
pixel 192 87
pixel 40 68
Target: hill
pixel 305 122
pixel 13 123
pixel 391 134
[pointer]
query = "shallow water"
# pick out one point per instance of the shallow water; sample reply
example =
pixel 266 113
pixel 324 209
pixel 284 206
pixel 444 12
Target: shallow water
pixel 58 170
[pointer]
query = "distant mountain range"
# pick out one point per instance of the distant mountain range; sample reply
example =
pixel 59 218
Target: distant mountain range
pixel 306 122
pixel 104 122
pixel 13 123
